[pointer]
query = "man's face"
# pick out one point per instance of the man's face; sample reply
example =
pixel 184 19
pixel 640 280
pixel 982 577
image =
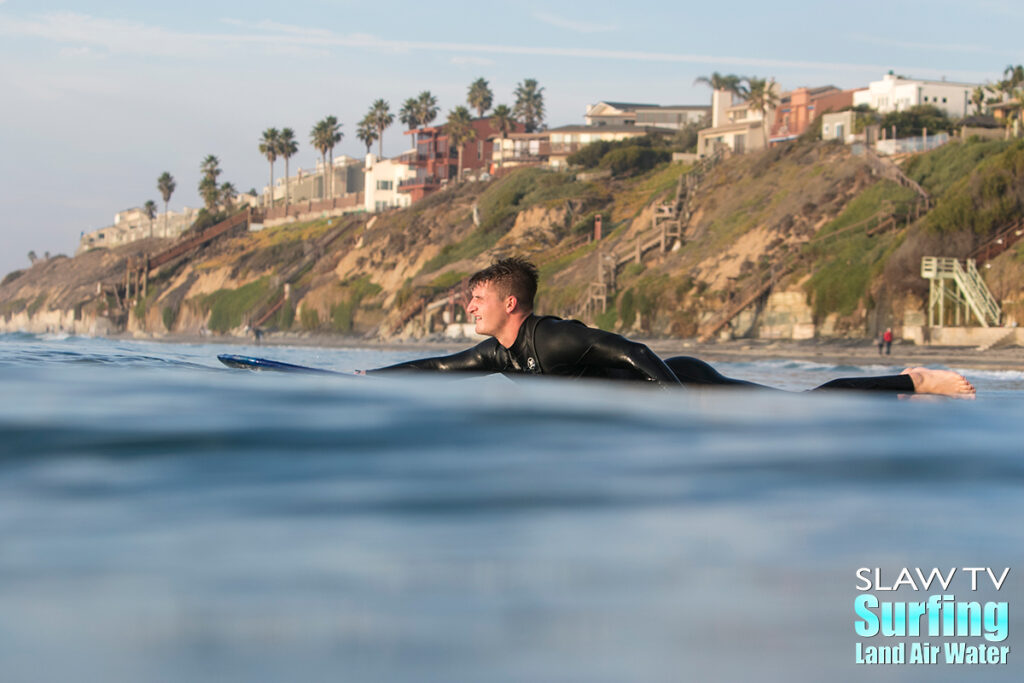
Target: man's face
pixel 487 308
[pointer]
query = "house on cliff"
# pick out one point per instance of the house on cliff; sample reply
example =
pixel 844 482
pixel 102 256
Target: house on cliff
pixel 435 162
pixel 383 177
pixel 898 93
pixel 675 116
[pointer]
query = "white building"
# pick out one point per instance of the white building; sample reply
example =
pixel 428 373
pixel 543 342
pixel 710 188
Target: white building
pixel 132 224
pixel 735 125
pixel 676 116
pixel 382 180
pixel 896 93
pixel 345 177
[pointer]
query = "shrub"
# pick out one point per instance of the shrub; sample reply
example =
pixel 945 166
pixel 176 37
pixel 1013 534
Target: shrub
pixel 632 160
pixel 915 120
pixel 589 156
pixel 12 276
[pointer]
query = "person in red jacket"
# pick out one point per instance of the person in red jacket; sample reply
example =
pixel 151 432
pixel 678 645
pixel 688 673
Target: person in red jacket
pixel 887 338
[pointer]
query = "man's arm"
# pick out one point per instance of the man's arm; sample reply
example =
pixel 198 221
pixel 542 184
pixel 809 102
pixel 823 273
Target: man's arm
pixel 480 358
pixel 567 345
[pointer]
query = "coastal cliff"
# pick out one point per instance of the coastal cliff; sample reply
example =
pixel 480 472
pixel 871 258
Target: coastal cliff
pixel 805 240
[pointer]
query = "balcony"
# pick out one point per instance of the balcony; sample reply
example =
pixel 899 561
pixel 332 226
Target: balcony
pixel 566 147
pixel 425 183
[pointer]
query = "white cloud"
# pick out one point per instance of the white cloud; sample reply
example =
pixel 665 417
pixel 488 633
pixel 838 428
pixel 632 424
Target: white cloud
pixel 124 37
pixel 934 47
pixel 277 27
pixel 473 61
pixel 572 24
pixel 76 52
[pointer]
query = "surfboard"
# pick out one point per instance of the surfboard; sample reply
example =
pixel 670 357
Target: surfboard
pixel 252 363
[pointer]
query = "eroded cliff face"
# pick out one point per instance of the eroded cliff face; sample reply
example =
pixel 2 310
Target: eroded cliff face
pixel 785 215
pixel 374 276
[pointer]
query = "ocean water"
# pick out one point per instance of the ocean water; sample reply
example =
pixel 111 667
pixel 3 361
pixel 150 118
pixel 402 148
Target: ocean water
pixel 163 518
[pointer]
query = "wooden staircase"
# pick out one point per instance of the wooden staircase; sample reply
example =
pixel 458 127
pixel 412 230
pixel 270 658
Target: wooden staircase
pixel 666 231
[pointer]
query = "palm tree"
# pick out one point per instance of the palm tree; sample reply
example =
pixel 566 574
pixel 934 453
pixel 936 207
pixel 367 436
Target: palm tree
pixel 409 114
pixel 978 98
pixel 335 134
pixel 227 195
pixel 761 96
pixel 503 121
pixel 1014 75
pixel 208 189
pixel 165 184
pixel 366 133
pixel 459 129
pixel 480 96
pixel 426 108
pixel 269 144
pixel 1014 79
pixel 529 106
pixel 321 139
pixel 381 116
pixel 149 208
pixel 287 147
pixel 210 167
pixel 716 81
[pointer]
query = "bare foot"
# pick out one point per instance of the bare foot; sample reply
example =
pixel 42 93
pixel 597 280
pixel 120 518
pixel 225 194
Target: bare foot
pixel 943 382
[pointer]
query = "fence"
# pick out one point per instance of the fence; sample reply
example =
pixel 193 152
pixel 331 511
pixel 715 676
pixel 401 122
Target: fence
pixel 911 145
pixel 298 209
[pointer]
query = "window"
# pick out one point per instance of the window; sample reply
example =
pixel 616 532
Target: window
pixel 385 184
pixel 943 100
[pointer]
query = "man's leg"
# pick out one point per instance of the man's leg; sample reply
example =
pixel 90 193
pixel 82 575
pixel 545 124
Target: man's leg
pixel 694 371
pixel 910 381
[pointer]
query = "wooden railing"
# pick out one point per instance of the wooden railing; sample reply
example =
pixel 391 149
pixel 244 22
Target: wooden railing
pixel 296 209
pixel 190 242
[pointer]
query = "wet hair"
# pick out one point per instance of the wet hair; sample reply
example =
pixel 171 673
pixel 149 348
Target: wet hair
pixel 511 276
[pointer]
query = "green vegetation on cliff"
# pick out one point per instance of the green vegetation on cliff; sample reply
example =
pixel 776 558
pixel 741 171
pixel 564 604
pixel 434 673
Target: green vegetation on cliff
pixel 499 203
pixel 845 258
pixel 354 291
pixel 228 307
pixel 982 200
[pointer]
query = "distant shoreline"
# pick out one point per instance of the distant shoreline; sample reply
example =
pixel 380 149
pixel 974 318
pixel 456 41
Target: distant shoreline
pixel 833 351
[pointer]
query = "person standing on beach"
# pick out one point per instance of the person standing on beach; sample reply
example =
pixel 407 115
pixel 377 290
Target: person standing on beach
pixel 520 342
pixel 887 338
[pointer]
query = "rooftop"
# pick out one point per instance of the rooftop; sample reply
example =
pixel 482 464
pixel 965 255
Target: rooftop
pixel 610 128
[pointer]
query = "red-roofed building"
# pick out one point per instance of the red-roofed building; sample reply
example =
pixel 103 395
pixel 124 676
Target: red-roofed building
pixel 437 163
pixel 798 108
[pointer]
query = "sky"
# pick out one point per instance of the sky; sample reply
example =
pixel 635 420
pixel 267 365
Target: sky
pixel 99 98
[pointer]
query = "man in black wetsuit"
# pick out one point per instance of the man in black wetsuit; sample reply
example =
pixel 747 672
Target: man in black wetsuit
pixel 520 342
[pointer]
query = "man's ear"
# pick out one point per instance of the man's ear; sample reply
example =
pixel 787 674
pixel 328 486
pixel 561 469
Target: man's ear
pixel 511 302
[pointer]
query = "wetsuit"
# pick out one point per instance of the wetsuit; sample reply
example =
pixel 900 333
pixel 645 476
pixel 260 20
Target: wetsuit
pixel 551 346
